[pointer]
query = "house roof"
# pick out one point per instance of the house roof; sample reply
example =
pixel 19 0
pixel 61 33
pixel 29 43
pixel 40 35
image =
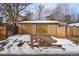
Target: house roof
pixel 50 17
pixel 38 22
pixel 74 24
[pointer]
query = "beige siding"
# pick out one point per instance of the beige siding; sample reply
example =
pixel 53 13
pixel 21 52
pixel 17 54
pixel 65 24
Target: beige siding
pixel 61 31
pixel 38 29
pixel 42 29
pixel 52 29
pixel 28 29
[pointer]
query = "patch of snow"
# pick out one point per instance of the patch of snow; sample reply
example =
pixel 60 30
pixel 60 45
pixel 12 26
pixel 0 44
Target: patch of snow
pixel 64 41
pixel 26 38
pixel 35 43
pixel 70 47
pixel 20 37
pixel 2 41
pixel 15 49
pixel 74 24
pixel 27 49
pixel 38 22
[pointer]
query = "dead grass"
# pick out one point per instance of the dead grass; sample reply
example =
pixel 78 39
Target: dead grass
pixel 74 39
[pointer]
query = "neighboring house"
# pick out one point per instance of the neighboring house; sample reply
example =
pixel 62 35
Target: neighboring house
pixel 21 18
pixel 50 17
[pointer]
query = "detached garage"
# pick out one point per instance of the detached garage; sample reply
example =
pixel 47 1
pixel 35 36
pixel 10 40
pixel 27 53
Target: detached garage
pixel 38 27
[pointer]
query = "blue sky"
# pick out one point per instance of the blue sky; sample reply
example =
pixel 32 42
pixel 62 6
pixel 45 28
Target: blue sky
pixel 74 6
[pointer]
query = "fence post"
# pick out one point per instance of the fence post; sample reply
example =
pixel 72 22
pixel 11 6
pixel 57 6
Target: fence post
pixel 65 30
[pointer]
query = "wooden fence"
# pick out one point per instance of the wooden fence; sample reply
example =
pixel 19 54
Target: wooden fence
pixel 73 31
pixel 7 30
pixel 61 32
pixel 3 32
pixel 49 29
pixel 43 29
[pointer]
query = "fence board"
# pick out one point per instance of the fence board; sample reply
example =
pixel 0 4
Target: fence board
pixel 3 32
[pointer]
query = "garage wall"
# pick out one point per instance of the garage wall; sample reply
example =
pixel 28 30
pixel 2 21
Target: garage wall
pixel 52 29
pixel 27 29
pixel 42 29
pixel 38 29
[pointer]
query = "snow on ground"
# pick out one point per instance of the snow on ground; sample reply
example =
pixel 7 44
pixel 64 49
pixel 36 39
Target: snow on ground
pixel 12 48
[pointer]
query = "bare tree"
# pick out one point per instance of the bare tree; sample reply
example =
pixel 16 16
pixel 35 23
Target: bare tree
pixel 12 10
pixel 60 11
pixel 78 19
pixel 28 16
pixel 40 12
